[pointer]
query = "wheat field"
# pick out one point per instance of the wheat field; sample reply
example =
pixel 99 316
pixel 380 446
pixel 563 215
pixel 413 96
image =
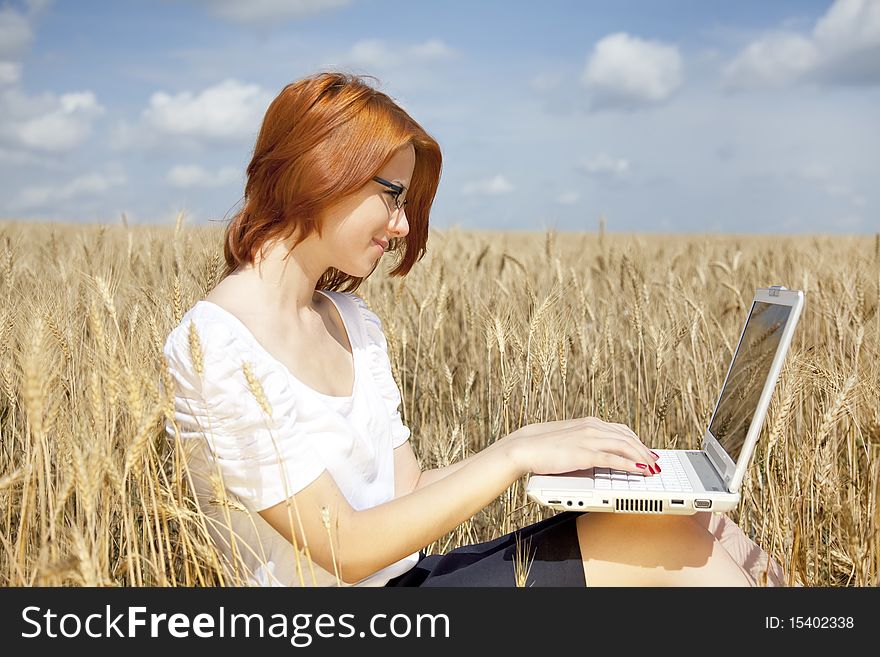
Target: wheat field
pixel 491 331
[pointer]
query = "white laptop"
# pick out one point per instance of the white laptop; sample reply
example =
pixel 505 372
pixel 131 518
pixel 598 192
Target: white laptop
pixel 708 479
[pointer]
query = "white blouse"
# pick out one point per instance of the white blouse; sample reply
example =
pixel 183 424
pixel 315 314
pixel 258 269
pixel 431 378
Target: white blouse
pixel 263 459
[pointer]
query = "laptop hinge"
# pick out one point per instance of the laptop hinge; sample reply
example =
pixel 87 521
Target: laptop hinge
pixel 707 474
pixel 715 454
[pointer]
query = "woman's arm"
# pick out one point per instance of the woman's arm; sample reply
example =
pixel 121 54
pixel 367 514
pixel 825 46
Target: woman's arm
pixel 408 475
pixel 367 540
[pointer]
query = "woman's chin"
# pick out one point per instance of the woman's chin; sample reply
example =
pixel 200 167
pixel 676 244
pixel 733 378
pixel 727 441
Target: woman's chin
pixel 362 270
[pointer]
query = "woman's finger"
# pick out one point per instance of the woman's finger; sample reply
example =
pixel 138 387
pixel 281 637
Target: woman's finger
pixel 623 449
pixel 540 428
pixel 616 462
pixel 630 435
pixel 654 456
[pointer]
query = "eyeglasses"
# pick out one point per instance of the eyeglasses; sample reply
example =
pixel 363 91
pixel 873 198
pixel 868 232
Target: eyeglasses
pixel 397 189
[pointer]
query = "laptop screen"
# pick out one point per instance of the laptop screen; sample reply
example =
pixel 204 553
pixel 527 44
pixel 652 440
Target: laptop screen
pixel 748 375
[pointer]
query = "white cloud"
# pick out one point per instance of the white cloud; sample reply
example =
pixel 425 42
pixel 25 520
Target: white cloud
pixel 625 71
pixel 849 24
pixel 605 165
pixel 774 60
pixel 840 222
pixel 38 6
pixel 45 196
pixel 373 52
pixel 16 157
pixel 376 53
pixel 268 12
pixel 843 48
pixel 433 50
pixel 492 186
pixel 852 222
pixel 15 33
pixel 10 73
pixel 48 123
pixel 825 178
pixel 124 135
pixel 568 198
pixel 546 82
pixel 193 175
pixel 229 110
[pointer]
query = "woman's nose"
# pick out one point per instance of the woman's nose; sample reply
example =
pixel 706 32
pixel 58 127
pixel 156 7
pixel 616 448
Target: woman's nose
pixel 399 223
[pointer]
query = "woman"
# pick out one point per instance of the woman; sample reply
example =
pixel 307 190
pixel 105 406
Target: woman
pixel 289 412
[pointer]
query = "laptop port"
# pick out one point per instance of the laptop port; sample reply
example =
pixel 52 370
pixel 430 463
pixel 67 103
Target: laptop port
pixel 554 501
pixel 702 504
pixel 679 502
pixel 568 503
pixel 580 502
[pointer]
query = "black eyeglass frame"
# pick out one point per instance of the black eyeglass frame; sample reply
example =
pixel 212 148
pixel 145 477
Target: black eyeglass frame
pixel 397 189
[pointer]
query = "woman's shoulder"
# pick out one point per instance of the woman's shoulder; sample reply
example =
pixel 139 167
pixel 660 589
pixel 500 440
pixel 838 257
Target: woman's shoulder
pixel 205 324
pixel 208 347
pixel 375 341
pixel 361 308
pixel 210 360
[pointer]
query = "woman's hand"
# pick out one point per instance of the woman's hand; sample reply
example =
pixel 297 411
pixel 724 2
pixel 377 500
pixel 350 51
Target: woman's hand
pixel 588 442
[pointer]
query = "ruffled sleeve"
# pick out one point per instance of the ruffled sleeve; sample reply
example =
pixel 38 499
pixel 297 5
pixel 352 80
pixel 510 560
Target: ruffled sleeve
pixel 260 451
pixel 380 365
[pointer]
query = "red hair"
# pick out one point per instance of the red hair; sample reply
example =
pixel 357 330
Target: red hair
pixel 325 137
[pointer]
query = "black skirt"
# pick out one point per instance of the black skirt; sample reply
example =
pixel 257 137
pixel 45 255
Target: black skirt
pixel 551 549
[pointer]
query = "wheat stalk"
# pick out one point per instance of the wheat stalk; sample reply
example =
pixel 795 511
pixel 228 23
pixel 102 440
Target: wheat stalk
pixel 176 298
pixel 107 297
pixel 325 520
pixel 134 456
pixel 7 481
pixel 58 334
pixel 87 569
pixel 522 564
pixel 87 484
pixel 34 394
pixel 256 389
pixel 195 350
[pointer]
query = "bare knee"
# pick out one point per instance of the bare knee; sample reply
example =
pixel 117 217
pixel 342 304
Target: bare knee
pixel 646 550
pixel 665 541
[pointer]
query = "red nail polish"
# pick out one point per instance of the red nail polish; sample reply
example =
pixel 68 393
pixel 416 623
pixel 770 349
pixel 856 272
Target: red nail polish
pixel 655 454
pixel 641 465
pixel 658 468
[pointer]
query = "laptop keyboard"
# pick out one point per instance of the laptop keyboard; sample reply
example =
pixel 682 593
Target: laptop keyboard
pixel 672 476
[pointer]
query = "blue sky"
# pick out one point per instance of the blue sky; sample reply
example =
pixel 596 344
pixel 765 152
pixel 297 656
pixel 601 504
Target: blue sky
pixel 672 116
